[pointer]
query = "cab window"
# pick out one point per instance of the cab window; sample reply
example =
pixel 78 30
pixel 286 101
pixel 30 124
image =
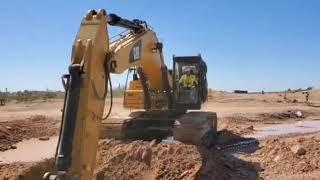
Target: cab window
pixel 186 83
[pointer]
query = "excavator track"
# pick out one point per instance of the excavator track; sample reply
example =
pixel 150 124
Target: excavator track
pixel 190 128
pixel 196 127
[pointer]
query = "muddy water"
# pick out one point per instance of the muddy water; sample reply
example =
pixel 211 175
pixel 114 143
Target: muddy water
pixel 30 150
pixel 283 129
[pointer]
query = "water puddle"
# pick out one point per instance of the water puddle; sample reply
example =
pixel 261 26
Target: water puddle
pixel 283 129
pixel 30 151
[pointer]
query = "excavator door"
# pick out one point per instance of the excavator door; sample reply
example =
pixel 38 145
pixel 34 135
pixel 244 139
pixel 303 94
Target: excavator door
pixel 190 82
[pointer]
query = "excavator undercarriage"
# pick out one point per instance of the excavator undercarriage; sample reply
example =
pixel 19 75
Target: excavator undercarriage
pixel 191 127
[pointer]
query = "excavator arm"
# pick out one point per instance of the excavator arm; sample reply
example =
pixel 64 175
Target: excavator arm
pixel 86 88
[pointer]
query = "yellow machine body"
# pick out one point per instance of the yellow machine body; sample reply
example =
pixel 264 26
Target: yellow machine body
pixel 94 57
pixel 134 96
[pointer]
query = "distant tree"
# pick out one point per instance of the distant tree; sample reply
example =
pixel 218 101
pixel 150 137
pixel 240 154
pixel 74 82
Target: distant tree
pixel 309 88
pixel 19 93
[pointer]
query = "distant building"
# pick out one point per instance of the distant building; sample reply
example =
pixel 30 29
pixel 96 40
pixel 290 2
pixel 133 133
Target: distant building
pixel 241 91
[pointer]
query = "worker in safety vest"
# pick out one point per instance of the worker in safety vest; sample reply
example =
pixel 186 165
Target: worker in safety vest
pixel 188 80
pixel 307 96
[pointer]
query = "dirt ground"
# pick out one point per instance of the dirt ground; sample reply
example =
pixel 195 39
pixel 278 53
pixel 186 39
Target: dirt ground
pixel 238 115
pixel 238 112
pixel 36 126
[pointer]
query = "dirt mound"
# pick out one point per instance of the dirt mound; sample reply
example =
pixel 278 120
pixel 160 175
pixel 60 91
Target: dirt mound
pixel 140 159
pixel 290 114
pixel 15 131
pixel 294 155
pixel 149 160
pixel 275 116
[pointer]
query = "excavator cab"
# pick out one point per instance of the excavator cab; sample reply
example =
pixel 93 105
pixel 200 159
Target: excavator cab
pixel 190 82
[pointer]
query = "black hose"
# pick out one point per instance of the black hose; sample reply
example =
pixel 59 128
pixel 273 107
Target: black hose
pixel 111 97
pixel 65 85
pixel 125 86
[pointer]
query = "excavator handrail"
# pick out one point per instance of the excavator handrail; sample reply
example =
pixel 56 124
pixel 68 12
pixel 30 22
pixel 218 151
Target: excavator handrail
pixel 117 40
pixel 121 34
pixel 124 39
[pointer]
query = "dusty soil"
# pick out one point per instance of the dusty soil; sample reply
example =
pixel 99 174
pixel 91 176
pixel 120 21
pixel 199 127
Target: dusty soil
pixel 242 113
pixel 149 160
pixel 14 110
pixel 35 126
pixel 278 161
pixel 238 115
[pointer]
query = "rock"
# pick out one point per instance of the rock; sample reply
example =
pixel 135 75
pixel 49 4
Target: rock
pixel 301 166
pixel 301 140
pixel 277 158
pixel 298 150
pixel 100 175
pixel 3 136
pixel 137 153
pixel 178 150
pixel 44 138
pixel 183 174
pixel 164 152
pixel 153 143
pixel 299 114
pixel 190 166
pixel 13 147
pixel 146 156
pixel 228 165
pixel 8 127
pixel 171 150
pixel 250 128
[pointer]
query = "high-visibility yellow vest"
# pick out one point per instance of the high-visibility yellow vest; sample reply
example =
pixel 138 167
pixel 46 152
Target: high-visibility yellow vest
pixel 188 81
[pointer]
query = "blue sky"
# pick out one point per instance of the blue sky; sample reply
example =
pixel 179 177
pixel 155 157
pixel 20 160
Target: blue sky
pixel 247 44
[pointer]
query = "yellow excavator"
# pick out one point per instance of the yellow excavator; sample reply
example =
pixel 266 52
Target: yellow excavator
pixel 166 105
